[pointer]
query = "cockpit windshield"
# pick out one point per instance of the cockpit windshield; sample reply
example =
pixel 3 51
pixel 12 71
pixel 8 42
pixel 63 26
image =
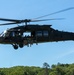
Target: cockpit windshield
pixel 3 34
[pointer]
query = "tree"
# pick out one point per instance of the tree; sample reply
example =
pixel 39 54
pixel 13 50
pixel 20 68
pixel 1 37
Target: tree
pixel 46 67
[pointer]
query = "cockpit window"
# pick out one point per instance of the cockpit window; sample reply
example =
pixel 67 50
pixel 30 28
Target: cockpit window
pixel 12 34
pixel 3 34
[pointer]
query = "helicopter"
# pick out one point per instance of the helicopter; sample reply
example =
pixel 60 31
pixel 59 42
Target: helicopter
pixel 29 34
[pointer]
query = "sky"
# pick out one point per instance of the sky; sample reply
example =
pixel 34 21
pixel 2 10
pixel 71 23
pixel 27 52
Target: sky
pixel 51 52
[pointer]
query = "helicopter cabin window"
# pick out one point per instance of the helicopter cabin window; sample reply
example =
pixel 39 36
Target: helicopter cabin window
pixel 27 34
pixel 39 33
pixel 45 33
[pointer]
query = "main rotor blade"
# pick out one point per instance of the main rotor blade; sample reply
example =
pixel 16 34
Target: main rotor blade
pixel 31 21
pixel 47 19
pixel 15 21
pixel 8 24
pixel 12 20
pixel 55 12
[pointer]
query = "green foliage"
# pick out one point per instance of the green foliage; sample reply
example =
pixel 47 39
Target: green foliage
pixel 59 69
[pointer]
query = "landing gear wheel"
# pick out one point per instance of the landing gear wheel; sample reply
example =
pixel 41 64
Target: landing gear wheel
pixel 21 45
pixel 15 46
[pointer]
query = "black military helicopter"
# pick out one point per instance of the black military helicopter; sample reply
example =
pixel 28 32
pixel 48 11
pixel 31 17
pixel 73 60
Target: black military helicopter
pixel 28 34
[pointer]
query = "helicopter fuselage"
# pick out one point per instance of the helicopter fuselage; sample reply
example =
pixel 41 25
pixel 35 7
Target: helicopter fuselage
pixel 30 34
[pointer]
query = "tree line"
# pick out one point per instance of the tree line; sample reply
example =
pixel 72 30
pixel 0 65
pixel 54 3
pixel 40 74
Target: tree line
pixel 58 69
